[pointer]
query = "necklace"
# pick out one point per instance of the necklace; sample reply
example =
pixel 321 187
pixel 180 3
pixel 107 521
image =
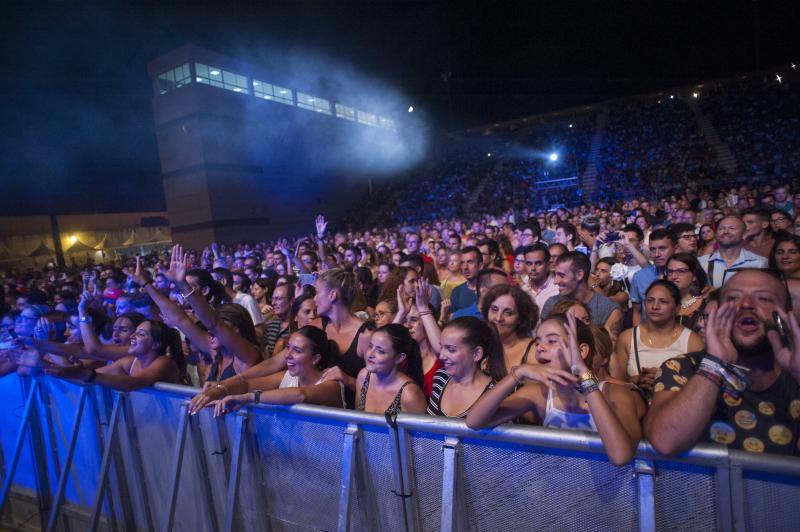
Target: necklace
pixel 673 335
pixel 689 302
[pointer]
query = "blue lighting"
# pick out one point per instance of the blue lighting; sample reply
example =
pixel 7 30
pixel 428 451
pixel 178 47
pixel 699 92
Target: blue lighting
pixel 554 157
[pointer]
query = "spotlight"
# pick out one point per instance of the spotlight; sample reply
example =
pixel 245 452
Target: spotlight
pixel 794 67
pixel 779 78
pixel 73 239
pixel 695 95
pixel 570 126
pixel 554 157
pixel 410 108
pixel 671 96
pixel 488 154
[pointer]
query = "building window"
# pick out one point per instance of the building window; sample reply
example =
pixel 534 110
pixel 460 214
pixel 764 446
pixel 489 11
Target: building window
pixel 216 77
pixel 312 103
pixel 384 122
pixel 273 92
pixel 177 77
pixel 348 113
pixel 367 118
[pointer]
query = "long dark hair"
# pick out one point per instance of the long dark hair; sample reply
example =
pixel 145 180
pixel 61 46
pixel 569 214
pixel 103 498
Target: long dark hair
pixel 781 237
pixel 583 333
pixel 526 308
pixel 478 333
pixel 169 343
pixel 402 342
pixel 700 278
pixel 238 317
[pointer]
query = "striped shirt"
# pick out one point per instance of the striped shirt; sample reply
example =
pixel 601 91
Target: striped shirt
pixel 440 381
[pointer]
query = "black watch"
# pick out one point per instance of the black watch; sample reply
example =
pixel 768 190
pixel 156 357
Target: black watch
pixel 256 396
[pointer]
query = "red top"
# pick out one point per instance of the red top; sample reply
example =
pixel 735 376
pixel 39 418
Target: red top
pixel 428 378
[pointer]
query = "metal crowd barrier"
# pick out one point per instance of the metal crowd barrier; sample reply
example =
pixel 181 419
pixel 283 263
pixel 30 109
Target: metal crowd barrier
pixel 87 458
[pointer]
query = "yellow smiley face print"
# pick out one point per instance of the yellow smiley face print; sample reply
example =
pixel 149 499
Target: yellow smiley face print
pixel 673 365
pixel 780 434
pixel 745 419
pixel 721 432
pixel 767 408
pixel 794 409
pixel 731 400
pixel 753 445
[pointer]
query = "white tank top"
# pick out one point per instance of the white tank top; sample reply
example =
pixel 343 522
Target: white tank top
pixel 561 419
pixel 289 381
pixel 653 357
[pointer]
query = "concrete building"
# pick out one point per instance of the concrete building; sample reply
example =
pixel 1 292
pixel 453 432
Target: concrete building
pixel 245 155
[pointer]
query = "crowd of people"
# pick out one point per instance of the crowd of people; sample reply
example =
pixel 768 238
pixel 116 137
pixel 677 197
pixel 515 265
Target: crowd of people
pixel 671 318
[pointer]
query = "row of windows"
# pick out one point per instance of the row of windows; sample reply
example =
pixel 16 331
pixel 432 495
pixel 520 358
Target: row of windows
pixel 172 79
pixel 224 79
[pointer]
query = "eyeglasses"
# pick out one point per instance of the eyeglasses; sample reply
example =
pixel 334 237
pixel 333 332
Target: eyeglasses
pixel 678 271
pixel 689 237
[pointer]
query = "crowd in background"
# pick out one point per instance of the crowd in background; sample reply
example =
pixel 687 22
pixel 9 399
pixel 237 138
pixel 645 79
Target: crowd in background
pixel 663 308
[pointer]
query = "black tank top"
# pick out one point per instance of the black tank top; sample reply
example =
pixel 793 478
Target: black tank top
pixel 350 362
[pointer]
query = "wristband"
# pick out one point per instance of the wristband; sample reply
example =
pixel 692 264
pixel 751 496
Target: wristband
pixel 425 313
pixel 92 376
pixel 256 396
pixel 186 296
pixel 588 386
pixel 713 377
pixel 85 319
pixel 147 283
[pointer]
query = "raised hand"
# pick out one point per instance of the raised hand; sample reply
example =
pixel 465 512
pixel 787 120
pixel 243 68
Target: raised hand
pixel 321 225
pixel 550 377
pixel 83 304
pixel 422 294
pixel 718 333
pixel 787 357
pixel 572 352
pixel 401 301
pixel 138 276
pixel 177 266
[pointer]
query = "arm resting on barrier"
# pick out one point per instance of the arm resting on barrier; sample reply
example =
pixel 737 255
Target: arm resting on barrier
pixel 618 413
pixel 676 420
pixel 496 406
pixel 324 394
pixel 115 376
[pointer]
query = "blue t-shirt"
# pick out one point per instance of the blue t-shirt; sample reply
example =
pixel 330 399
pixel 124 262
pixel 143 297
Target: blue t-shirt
pixel 471 310
pixel 462 297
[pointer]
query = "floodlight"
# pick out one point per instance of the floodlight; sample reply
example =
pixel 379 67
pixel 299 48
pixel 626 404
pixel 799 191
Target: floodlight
pixel 554 157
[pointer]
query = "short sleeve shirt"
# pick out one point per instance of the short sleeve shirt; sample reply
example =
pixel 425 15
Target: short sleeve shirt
pixel 765 421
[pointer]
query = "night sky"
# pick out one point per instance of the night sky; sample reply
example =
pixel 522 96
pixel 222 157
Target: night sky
pixel 76 100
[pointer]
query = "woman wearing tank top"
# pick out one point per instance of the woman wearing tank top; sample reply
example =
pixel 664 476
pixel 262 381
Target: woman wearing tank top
pixel 307 353
pixel 466 343
pixel 391 381
pixel 640 351
pixel 613 408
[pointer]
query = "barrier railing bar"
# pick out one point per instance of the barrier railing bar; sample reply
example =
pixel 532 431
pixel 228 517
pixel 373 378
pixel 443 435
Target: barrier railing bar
pixel 177 465
pixel 407 464
pixel 36 434
pixel 723 498
pixel 62 481
pixel 23 429
pixel 105 464
pixel 401 489
pixel 777 464
pixel 645 480
pixel 451 449
pixel 134 457
pixel 202 467
pixel 737 498
pixel 351 437
pixel 236 469
pixel 103 417
pixel 51 443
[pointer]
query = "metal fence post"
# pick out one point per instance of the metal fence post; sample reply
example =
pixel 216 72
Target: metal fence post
pixel 450 488
pixel 105 465
pixel 236 469
pixel 737 497
pixel 133 456
pixel 177 465
pixel 411 501
pixel 62 481
pixel 202 467
pixel 23 429
pixel 645 480
pixel 351 436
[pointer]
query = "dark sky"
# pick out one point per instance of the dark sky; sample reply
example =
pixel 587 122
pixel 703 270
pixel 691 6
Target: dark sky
pixel 76 101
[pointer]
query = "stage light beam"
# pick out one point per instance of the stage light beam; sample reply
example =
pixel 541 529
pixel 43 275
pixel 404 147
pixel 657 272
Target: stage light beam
pixel 553 157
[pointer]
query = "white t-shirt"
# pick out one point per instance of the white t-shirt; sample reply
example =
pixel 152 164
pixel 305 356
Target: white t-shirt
pixel 248 302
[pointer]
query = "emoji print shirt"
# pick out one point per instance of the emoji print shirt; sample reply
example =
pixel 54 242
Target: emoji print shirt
pixel 766 421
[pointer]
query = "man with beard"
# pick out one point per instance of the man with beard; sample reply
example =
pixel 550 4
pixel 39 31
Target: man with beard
pixel 744 390
pixel 731 253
